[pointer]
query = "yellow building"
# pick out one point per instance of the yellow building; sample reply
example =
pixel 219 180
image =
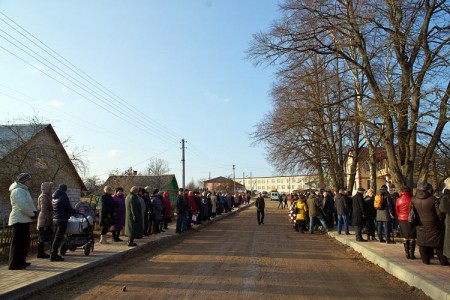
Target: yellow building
pixel 284 184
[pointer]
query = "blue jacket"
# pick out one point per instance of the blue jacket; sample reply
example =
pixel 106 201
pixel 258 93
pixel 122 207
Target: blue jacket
pixel 62 209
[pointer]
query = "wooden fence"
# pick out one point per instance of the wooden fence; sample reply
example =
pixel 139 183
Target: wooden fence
pixel 6 235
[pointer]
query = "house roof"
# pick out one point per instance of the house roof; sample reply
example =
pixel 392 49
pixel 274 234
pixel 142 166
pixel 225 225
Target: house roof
pixel 14 136
pixel 219 179
pixel 161 182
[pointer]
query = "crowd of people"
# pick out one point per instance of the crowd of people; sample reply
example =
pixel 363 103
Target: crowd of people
pixel 423 219
pixel 134 215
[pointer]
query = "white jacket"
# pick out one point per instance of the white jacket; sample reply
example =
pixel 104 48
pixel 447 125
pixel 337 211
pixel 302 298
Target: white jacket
pixel 22 204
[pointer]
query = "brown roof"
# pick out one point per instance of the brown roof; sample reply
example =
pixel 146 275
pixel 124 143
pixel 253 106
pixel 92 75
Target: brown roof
pixel 161 182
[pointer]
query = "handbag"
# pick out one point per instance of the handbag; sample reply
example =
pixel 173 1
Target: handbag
pixel 412 218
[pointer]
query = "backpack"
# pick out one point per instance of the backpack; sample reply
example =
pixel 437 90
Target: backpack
pixel 378 203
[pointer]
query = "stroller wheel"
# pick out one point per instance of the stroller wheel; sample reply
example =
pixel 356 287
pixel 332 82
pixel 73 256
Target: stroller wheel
pixel 63 249
pixel 87 249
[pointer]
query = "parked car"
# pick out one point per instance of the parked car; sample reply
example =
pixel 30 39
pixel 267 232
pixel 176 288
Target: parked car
pixel 274 196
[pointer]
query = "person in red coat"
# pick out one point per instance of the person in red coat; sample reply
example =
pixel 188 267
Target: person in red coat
pixel 407 230
pixel 167 208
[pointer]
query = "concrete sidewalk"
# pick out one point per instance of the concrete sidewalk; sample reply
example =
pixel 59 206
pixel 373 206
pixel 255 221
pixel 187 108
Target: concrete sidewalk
pixel 433 279
pixel 42 273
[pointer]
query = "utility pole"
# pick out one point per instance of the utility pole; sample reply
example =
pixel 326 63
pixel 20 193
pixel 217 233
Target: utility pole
pixel 183 160
pixel 234 181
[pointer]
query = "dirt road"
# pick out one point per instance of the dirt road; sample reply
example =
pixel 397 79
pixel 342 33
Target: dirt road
pixel 236 258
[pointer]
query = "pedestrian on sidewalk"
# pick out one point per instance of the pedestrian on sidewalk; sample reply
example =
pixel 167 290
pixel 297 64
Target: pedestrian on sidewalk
pixel 133 217
pixel 158 206
pixel 107 213
pixel 300 218
pixel 430 229
pixel 45 218
pixel 342 211
pixel 359 214
pixel 22 214
pixel 407 229
pixel 119 199
pixel 314 210
pixel 260 206
pixel 371 214
pixel 444 207
pixel 181 209
pixel 62 210
pixel 385 215
pixel 328 208
pixel 167 210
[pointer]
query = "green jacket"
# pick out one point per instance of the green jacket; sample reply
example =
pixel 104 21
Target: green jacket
pixel 133 217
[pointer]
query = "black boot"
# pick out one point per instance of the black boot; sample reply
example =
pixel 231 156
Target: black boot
pixel 41 251
pixel 406 245
pixel 131 243
pixel 412 248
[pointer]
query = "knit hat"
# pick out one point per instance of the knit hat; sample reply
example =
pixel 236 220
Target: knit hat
pixel 23 177
pixel 62 187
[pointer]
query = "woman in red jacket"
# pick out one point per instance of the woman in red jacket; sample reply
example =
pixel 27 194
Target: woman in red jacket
pixel 407 230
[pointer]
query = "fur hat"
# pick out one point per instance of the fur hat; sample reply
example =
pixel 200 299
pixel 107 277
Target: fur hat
pixel 23 177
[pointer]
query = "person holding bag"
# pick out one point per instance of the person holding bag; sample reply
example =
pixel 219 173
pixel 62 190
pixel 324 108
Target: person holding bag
pixel 45 218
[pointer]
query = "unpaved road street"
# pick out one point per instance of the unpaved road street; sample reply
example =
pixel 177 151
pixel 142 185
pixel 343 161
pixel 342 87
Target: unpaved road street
pixel 236 258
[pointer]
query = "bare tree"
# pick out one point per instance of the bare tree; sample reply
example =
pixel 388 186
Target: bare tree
pixel 157 167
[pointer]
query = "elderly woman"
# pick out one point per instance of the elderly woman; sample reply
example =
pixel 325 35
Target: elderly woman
pixel 119 199
pixel 444 207
pixel 107 213
pixel 133 217
pixel 45 218
pixel 430 232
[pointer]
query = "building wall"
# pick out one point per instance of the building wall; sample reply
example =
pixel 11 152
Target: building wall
pixel 284 184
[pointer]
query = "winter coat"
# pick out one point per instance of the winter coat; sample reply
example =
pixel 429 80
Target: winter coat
pixel 444 207
pixel 370 209
pixel 62 209
pixel 120 212
pixel 108 211
pixel 402 206
pixel 260 203
pixel 213 203
pixel 193 203
pixel 133 217
pixel 158 207
pixel 384 215
pixel 313 206
pixel 430 230
pixel 22 204
pixel 167 206
pixel 302 208
pixel 328 204
pixel 341 204
pixel 181 205
pixel 44 206
pixel 358 210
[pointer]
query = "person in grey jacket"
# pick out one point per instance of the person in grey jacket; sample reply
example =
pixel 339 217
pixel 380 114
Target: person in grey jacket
pixel 45 218
pixel 340 200
pixel 385 217
pixel 22 214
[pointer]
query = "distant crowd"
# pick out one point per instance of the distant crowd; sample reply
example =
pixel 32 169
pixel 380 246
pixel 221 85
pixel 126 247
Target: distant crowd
pixel 422 220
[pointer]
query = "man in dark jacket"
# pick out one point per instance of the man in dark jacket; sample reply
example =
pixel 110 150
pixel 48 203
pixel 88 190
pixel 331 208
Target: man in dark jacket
pixel 181 210
pixel 62 210
pixel 359 214
pixel 260 205
pixel 340 200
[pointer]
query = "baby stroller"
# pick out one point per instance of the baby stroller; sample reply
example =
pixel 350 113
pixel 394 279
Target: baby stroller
pixel 80 230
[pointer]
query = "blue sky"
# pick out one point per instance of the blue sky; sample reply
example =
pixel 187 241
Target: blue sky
pixel 168 70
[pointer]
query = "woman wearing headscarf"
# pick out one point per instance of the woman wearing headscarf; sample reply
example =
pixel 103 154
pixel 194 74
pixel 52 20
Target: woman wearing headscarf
pixel 444 207
pixel 45 218
pixel 430 232
pixel 107 213
pixel 166 201
pixel 119 199
pixel 133 217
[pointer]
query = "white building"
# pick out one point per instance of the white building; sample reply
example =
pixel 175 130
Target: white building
pixel 284 184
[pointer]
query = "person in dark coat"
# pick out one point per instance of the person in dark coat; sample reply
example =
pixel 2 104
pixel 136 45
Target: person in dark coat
pixel 370 214
pixel 148 211
pixel 444 207
pixel 340 200
pixel 260 206
pixel 119 199
pixel 158 208
pixel 328 208
pixel 359 214
pixel 45 218
pixel 62 210
pixel 429 227
pixel 181 210
pixel 133 217
pixel 107 213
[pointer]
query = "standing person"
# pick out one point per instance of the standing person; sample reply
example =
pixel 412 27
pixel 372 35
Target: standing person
pixel 119 199
pixel 407 229
pixel 204 207
pixel 146 207
pixel 300 217
pixel 167 207
pixel 181 207
pixel 22 214
pixel 444 207
pixel 133 217
pixel 341 209
pixel 359 214
pixel 260 206
pixel 158 207
pixel 385 215
pixel 371 214
pixel 107 213
pixel 280 201
pixel 213 205
pixel 430 232
pixel 315 213
pixel 45 218
pixel 62 210
pixel 328 208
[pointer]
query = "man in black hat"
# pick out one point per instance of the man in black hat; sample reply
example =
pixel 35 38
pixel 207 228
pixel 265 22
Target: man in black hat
pixel 359 213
